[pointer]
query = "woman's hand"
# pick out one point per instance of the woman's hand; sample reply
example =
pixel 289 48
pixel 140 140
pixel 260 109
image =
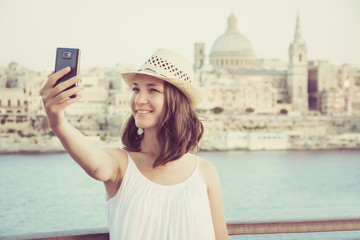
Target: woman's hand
pixel 55 99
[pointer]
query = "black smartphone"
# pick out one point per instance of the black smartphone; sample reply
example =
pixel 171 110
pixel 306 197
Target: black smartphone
pixel 67 57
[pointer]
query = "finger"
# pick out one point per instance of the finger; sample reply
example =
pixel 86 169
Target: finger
pixel 53 77
pixel 69 101
pixel 64 85
pixel 56 76
pixel 53 92
pixel 66 94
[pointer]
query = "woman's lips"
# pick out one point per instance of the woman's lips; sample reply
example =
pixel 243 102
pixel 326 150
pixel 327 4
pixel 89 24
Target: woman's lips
pixel 142 112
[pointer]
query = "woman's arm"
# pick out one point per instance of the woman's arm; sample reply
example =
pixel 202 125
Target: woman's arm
pixel 212 181
pixel 98 163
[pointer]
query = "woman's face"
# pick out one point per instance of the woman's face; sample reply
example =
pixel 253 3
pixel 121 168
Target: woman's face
pixel 147 101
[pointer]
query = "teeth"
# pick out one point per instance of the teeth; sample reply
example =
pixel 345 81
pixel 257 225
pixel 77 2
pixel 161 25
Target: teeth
pixel 143 111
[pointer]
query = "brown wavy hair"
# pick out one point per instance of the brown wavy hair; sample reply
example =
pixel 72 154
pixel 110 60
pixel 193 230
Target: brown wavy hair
pixel 180 129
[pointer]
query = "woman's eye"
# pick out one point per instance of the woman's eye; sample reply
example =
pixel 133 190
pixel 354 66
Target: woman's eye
pixel 135 89
pixel 154 90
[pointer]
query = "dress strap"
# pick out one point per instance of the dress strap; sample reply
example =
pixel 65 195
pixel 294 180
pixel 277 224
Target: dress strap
pixel 197 163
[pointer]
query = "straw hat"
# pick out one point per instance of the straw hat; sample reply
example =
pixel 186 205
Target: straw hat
pixel 172 68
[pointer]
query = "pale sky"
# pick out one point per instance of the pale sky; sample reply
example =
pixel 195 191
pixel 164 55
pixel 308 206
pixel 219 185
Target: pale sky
pixel 129 31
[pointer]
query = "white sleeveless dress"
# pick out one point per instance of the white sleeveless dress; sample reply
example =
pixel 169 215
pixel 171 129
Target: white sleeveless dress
pixel 142 209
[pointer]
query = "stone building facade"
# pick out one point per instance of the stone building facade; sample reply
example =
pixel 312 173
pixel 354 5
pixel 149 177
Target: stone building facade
pixel 298 87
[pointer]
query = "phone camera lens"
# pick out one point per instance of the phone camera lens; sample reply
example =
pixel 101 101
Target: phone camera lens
pixel 67 55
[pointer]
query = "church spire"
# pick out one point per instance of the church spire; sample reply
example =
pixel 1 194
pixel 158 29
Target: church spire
pixel 297 77
pixel 297 35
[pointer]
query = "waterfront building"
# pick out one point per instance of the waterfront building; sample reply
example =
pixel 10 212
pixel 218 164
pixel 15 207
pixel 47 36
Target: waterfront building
pixel 355 103
pixel 119 102
pixel 334 90
pixel 239 83
pixel 89 113
pixel 19 89
pixel 299 87
pixel 267 141
pixel 118 110
pixel 251 95
pixel 93 101
pixel 322 76
pixel 336 102
pixel 20 102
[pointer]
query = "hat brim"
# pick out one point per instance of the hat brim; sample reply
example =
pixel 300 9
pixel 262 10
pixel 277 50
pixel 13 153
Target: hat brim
pixel 189 90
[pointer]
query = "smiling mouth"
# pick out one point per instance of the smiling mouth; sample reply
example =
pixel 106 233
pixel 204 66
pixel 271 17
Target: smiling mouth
pixel 143 111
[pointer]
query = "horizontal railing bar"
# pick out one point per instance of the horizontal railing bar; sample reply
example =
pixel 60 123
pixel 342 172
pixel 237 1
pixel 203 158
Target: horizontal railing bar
pixel 80 234
pixel 234 228
pixel 303 226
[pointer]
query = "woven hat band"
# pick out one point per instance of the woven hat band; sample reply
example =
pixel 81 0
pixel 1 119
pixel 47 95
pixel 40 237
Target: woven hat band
pixel 166 68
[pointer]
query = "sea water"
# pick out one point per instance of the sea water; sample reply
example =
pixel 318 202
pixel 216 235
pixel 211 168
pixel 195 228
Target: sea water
pixel 50 192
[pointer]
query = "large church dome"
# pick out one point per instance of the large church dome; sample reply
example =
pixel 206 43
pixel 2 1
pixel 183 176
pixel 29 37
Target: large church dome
pixel 232 50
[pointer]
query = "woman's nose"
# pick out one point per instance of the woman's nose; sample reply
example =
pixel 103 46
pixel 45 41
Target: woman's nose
pixel 141 98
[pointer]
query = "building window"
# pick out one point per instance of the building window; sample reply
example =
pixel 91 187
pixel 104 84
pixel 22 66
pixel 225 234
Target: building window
pixel 18 103
pixel 0 103
pixel 237 62
pixel 9 103
pixel 222 62
pixel 300 57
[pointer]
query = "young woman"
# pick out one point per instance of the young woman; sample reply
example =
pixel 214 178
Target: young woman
pixel 156 189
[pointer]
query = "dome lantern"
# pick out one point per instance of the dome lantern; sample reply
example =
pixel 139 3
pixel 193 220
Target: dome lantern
pixel 232 24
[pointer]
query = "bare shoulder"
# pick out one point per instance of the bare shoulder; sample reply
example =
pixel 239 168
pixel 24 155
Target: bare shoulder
pixel 205 166
pixel 208 172
pixel 116 152
pixel 119 156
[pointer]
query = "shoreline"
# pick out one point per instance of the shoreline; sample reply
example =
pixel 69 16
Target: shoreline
pixel 39 152
pixel 52 145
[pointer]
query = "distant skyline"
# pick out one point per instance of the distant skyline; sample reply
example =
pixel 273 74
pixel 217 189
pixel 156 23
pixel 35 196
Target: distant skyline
pixel 128 31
